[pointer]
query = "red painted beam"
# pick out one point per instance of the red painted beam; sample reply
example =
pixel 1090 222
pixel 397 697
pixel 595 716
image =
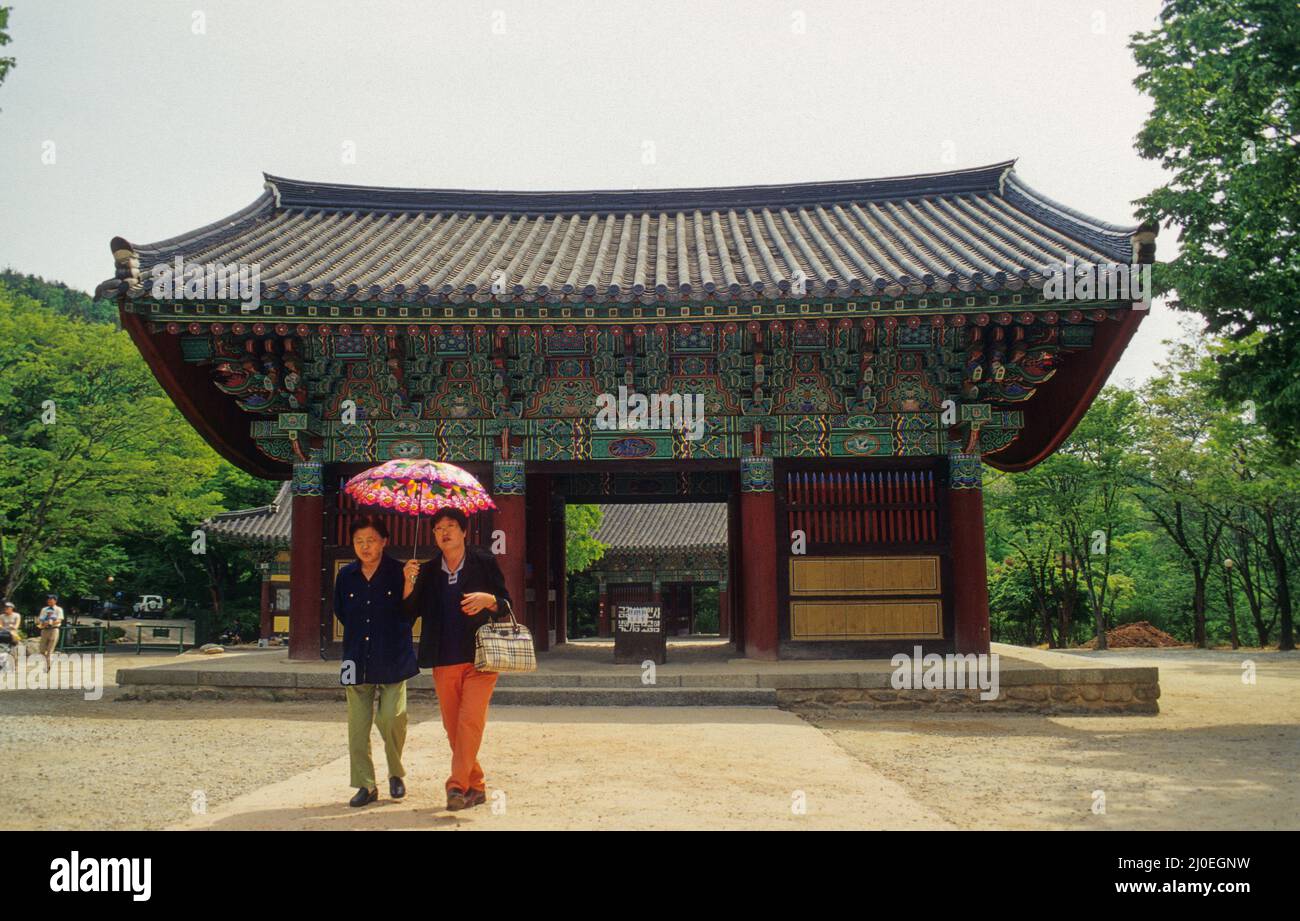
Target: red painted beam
pixel 213 414
pixel 1056 408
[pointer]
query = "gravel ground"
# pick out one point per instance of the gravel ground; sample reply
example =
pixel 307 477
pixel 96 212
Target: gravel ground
pixel 1221 754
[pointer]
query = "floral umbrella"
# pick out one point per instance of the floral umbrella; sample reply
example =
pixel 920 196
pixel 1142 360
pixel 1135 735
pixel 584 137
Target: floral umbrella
pixel 419 487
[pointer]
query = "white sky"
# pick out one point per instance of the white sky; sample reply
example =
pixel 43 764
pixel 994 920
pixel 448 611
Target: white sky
pixel 157 126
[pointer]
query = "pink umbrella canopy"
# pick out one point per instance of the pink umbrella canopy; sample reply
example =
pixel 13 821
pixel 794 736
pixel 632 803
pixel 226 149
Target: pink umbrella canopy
pixel 419 487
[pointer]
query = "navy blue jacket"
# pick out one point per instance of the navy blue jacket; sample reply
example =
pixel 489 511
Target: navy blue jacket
pixel 481 574
pixel 376 632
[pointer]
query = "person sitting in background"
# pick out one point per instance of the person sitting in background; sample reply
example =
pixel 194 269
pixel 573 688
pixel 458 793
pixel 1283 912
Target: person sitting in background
pixel 11 623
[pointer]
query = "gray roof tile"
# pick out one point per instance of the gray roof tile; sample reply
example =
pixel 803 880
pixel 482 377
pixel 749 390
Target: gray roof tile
pixel 965 230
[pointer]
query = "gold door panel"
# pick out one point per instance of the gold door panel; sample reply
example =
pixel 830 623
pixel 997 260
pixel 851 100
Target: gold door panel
pixel 864 575
pixel 866 620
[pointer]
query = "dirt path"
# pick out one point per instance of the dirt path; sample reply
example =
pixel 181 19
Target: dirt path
pixel 588 768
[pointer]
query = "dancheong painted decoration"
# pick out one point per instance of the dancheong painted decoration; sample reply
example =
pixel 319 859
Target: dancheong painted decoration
pixel 858 349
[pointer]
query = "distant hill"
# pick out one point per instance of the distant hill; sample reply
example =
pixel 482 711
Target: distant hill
pixel 68 302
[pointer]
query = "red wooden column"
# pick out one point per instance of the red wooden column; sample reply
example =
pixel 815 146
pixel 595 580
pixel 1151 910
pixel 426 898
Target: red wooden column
pixel 537 548
pixel 305 561
pixel 510 520
pixel 559 580
pixel 758 562
pixel 970 590
pixel 265 623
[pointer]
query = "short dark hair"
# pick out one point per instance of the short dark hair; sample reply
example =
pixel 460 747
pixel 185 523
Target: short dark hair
pixel 454 514
pixel 368 521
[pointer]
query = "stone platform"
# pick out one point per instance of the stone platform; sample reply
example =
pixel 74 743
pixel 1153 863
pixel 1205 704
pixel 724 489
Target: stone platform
pixel 698 673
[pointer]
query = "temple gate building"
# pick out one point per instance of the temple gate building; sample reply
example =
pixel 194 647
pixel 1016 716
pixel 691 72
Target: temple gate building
pixel 660 554
pixel 858 348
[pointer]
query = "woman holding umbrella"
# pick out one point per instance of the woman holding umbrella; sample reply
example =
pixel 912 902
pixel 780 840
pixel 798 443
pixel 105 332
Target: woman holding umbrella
pixel 455 593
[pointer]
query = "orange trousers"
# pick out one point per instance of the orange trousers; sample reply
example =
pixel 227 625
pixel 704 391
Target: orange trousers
pixel 463 694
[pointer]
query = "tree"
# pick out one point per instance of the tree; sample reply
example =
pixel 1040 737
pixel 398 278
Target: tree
pixel 1263 484
pixel 63 300
pixel 96 464
pixel 5 62
pixel 581 548
pixel 1181 466
pixel 1224 77
pixel 1086 478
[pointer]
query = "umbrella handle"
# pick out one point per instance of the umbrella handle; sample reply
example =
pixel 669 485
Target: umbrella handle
pixel 419 513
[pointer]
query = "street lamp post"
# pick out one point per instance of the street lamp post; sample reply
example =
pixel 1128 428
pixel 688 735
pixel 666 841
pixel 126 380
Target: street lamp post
pixel 1232 606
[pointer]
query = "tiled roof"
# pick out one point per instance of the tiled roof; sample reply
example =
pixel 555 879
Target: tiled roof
pixel 970 230
pixel 698 526
pixel 266 526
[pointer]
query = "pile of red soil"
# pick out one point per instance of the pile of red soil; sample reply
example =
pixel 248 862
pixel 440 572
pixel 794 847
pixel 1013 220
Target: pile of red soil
pixel 1128 636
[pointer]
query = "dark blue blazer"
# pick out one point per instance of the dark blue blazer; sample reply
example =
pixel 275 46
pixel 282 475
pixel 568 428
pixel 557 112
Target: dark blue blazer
pixel 376 632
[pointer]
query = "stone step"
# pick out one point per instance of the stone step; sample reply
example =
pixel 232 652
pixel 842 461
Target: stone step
pixel 632 680
pixel 633 697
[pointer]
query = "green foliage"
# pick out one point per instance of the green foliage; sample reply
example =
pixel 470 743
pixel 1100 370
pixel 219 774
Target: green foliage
pixel 100 476
pixel 581 550
pixel 1223 78
pixel 581 547
pixel 706 608
pixel 1175 480
pixel 5 62
pixel 583 605
pixel 65 301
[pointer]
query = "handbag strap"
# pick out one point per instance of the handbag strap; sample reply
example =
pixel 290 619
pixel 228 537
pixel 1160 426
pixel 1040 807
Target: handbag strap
pixel 510 611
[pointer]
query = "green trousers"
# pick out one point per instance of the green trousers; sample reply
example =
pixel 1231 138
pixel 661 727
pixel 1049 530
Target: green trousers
pixel 391 722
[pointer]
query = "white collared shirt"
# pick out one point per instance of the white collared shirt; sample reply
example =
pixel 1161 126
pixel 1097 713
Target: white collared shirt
pixel 453 576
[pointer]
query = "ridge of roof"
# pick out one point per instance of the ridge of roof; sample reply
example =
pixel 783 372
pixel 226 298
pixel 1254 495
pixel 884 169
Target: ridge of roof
pixel 293 193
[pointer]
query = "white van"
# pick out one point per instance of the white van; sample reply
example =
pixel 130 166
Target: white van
pixel 148 604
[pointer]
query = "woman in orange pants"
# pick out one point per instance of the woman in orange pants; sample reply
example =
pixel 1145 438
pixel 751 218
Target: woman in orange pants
pixel 455 593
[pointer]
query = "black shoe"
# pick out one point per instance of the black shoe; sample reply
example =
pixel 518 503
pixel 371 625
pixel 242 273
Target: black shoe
pixel 455 799
pixel 396 789
pixel 364 796
pixel 475 797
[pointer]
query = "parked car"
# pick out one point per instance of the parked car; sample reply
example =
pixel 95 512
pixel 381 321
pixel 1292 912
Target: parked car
pixel 111 610
pixel 148 604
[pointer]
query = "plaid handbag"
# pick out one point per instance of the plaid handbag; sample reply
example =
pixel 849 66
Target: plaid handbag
pixel 504 647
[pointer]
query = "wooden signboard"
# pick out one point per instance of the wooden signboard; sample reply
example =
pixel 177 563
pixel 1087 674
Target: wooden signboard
pixel 639 634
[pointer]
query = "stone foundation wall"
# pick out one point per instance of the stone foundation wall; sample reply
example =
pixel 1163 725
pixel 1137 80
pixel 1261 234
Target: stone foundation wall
pixel 208 692
pixel 1106 690
pixel 1111 697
